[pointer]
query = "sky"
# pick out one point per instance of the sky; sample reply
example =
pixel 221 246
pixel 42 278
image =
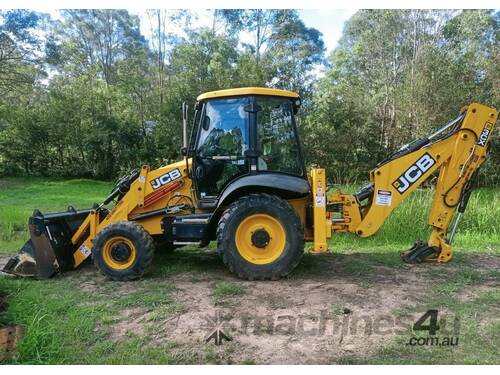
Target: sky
pixel 328 22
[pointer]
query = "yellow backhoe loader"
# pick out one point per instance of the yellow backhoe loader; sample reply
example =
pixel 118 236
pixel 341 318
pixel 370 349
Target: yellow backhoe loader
pixel 243 183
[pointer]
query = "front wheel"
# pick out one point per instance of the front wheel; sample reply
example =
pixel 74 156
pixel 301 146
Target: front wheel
pixel 122 251
pixel 260 237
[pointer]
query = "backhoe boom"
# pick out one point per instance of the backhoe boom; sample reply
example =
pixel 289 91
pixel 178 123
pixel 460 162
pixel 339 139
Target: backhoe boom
pixel 456 151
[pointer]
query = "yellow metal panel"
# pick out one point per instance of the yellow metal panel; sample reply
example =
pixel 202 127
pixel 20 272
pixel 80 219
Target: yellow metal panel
pixel 299 205
pixel 318 178
pixel 81 229
pixel 247 91
pixel 139 185
pixel 152 225
pixel 83 252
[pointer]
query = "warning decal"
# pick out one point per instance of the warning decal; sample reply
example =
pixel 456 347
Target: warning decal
pixel 383 198
pixel 320 196
pixel 84 250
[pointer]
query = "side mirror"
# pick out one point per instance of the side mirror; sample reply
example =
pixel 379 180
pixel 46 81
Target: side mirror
pixel 184 151
pixel 184 125
pixel 206 123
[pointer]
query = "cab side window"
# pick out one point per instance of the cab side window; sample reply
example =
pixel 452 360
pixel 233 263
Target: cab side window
pixel 223 140
pixel 277 141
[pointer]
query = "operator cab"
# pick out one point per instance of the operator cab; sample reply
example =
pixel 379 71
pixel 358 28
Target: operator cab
pixel 243 132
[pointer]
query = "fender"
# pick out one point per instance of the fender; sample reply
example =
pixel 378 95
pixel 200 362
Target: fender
pixel 285 186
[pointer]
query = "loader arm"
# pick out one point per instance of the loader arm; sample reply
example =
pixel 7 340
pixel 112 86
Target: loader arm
pixel 63 241
pixel 456 151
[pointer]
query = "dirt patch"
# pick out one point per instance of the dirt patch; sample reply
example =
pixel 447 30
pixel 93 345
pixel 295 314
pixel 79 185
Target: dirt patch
pixel 484 262
pixel 471 293
pixel 330 308
pixel 321 315
pixel 308 319
pixel 131 322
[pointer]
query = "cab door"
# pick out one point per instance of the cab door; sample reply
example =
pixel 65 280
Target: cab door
pixel 223 139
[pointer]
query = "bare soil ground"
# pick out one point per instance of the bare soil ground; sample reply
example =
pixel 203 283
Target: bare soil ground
pixel 330 308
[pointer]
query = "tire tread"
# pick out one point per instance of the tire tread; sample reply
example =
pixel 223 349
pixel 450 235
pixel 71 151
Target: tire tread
pixel 242 203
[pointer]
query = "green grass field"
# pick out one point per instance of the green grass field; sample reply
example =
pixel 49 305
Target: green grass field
pixel 64 322
pixel 20 196
pixel 479 229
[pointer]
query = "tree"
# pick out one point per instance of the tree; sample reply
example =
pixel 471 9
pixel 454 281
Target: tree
pixel 19 63
pixel 395 76
pixel 88 95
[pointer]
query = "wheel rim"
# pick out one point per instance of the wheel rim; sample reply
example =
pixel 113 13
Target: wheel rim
pixel 119 253
pixel 260 239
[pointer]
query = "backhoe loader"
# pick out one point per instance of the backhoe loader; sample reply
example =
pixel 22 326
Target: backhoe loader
pixel 243 182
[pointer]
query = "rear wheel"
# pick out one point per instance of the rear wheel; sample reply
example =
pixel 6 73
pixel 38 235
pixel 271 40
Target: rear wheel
pixel 260 237
pixel 123 251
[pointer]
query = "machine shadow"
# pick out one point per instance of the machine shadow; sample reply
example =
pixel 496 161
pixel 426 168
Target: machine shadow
pixel 205 263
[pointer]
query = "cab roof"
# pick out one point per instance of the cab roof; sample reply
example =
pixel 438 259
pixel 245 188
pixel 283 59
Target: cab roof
pixel 247 91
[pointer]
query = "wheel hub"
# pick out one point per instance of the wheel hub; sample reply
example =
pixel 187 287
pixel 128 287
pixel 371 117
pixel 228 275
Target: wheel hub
pixel 260 238
pixel 120 252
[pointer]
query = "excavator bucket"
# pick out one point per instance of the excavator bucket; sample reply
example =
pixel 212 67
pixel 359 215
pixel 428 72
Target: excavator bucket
pixel 50 249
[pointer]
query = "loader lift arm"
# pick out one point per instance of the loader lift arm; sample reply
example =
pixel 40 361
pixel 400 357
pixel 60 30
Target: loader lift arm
pixel 457 151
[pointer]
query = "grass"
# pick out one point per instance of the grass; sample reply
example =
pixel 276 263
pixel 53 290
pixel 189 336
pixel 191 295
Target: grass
pixel 65 325
pixel 60 318
pixel 223 291
pixel 20 196
pixel 478 231
pixel 478 342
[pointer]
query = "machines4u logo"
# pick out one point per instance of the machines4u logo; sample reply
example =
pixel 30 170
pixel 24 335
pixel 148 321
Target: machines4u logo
pixel 166 178
pixel 413 173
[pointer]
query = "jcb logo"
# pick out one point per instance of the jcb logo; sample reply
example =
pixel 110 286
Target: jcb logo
pixel 165 179
pixel 483 138
pixel 413 173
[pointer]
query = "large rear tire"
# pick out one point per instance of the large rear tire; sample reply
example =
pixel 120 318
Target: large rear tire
pixel 123 251
pixel 260 237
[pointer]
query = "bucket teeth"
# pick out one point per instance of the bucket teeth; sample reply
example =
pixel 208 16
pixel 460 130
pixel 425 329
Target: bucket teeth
pixel 420 252
pixel 24 263
pixel 49 249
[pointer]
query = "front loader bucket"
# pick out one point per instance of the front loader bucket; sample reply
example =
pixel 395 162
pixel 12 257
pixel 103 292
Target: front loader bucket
pixel 49 249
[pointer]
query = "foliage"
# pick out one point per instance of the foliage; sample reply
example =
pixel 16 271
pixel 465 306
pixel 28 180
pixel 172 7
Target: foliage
pixel 398 75
pixel 87 95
